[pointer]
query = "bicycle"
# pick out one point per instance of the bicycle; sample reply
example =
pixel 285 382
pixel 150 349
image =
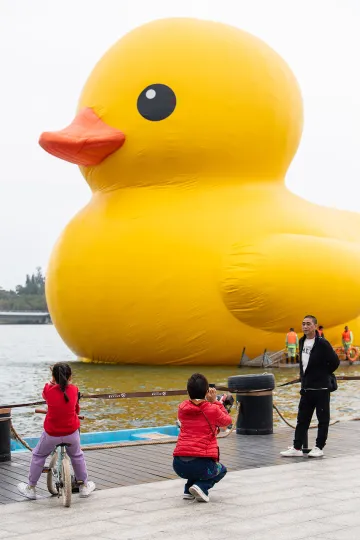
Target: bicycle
pixel 59 480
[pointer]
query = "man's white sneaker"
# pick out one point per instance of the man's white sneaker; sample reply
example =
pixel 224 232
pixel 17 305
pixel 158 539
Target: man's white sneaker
pixel 198 493
pixel 86 489
pixel 291 452
pixel 28 491
pixel 316 452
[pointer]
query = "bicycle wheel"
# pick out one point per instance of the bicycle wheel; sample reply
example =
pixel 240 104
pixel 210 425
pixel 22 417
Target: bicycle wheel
pixel 66 481
pixel 50 475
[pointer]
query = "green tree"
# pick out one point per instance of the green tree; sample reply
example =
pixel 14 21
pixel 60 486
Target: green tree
pixel 28 297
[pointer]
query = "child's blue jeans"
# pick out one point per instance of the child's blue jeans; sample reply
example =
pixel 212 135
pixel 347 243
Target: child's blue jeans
pixel 203 472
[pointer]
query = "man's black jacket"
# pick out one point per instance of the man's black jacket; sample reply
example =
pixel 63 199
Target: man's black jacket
pixel 322 362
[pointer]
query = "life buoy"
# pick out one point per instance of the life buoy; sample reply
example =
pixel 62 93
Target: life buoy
pixel 340 351
pixel 356 354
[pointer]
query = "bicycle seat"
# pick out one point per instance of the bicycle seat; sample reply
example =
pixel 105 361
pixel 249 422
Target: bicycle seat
pixel 62 445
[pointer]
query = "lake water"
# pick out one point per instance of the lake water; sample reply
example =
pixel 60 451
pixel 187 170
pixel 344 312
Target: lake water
pixel 27 352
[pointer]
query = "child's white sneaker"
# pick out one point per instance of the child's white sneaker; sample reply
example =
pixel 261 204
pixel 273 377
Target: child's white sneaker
pixel 28 491
pixel 86 489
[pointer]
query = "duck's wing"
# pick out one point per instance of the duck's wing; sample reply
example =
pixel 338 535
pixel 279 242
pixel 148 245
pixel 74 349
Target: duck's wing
pixel 273 282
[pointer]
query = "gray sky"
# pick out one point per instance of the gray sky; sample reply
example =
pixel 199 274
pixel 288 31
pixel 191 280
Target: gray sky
pixel 48 48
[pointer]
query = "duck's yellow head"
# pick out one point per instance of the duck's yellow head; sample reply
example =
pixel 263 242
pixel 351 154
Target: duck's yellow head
pixel 183 100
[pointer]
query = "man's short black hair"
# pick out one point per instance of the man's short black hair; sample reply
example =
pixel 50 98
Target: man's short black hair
pixel 321 327
pixel 197 386
pixel 314 319
pixel 291 330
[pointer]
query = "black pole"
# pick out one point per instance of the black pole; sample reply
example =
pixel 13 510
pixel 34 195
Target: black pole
pixel 242 356
pixel 5 416
pixel 305 446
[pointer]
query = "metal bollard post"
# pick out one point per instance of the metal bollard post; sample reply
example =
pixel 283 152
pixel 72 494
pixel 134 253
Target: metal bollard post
pixel 254 393
pixel 5 451
pixel 256 414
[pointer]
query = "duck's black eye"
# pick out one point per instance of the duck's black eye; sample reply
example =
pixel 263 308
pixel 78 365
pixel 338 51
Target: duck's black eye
pixel 156 102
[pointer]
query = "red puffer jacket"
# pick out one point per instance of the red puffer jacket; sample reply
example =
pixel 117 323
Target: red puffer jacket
pixel 196 437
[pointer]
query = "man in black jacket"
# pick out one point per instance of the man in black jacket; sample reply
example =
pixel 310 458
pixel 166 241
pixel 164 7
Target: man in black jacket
pixel 318 361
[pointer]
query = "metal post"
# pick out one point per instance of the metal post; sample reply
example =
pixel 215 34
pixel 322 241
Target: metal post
pixel 305 446
pixel 242 356
pixel 5 417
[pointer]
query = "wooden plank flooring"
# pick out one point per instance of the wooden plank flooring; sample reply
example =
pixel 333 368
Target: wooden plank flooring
pixel 141 464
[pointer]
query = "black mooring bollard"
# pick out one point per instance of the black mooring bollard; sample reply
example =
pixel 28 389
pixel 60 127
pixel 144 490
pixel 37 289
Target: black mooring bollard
pixel 254 393
pixel 5 452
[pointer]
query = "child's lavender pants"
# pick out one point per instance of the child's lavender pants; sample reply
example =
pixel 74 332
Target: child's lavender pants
pixel 44 448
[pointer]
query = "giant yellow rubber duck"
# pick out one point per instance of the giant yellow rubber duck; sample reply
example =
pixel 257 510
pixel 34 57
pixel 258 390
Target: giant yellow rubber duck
pixel 191 247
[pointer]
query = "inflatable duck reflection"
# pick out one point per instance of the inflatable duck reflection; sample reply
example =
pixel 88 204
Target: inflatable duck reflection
pixel 191 247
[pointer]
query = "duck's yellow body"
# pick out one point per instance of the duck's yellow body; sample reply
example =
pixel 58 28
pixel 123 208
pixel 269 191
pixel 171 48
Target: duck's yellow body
pixel 191 247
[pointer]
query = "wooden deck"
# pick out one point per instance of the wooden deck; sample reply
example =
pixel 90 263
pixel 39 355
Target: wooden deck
pixel 141 464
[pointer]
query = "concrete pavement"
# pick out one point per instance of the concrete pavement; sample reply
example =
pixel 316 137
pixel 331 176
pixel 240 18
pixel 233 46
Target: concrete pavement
pixel 310 499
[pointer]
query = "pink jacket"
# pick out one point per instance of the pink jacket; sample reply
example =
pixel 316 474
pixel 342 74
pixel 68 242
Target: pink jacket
pixel 197 438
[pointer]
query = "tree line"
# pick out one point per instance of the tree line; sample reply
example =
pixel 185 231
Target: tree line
pixel 27 297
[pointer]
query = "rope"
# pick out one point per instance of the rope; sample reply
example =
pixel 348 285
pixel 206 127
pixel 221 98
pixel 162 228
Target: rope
pixel 155 393
pixel 338 378
pixel 116 395
pixel 283 417
pixel 172 440
pixel 18 438
pixel 165 393
pixel 294 381
pixel 310 427
pixel 121 445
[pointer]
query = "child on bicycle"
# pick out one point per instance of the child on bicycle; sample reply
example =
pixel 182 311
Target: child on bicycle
pixel 196 455
pixel 61 426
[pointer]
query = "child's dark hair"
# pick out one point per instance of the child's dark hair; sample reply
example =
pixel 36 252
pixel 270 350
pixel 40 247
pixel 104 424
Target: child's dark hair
pixel 197 386
pixel 62 373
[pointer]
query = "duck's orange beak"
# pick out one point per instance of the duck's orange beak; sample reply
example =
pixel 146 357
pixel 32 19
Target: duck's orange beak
pixel 86 141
